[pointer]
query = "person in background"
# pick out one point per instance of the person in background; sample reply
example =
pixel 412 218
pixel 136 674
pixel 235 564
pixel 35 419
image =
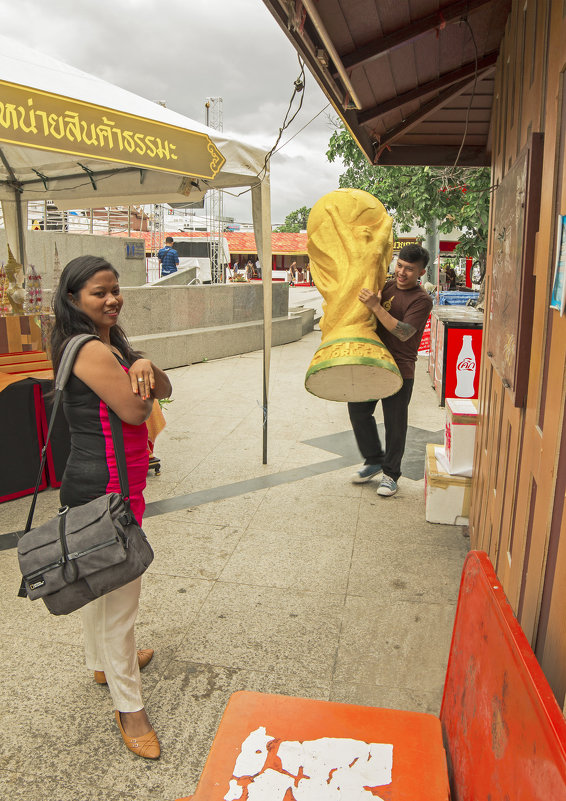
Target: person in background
pixel 401 310
pixel 107 374
pixel 309 274
pixel 450 277
pixel 168 258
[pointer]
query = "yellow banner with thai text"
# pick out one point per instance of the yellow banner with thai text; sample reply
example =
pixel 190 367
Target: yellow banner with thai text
pixel 33 118
pixel 407 240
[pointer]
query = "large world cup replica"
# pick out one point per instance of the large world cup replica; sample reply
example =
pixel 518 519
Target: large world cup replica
pixel 350 246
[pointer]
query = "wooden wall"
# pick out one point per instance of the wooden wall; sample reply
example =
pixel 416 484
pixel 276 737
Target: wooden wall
pixel 519 489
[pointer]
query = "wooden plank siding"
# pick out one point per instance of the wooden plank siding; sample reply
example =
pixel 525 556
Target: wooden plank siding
pixel 518 496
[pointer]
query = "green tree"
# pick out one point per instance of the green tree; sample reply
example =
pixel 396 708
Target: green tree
pixel 454 197
pixel 295 222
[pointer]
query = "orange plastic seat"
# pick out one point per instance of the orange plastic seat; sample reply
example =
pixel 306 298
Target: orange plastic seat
pixel 504 733
pixel 418 758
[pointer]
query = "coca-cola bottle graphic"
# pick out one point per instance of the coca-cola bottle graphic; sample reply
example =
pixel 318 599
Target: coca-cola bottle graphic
pixel 465 369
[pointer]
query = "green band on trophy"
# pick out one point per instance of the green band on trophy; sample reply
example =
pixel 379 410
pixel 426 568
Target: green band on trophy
pixel 347 360
pixel 350 339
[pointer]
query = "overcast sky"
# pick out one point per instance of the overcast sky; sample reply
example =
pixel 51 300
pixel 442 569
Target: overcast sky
pixel 183 51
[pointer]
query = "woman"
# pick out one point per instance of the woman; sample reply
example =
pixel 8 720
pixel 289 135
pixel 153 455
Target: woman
pixel 107 374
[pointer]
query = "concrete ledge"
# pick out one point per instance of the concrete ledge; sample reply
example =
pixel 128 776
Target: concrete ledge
pixel 162 309
pixel 179 348
pixel 182 277
pixel 306 316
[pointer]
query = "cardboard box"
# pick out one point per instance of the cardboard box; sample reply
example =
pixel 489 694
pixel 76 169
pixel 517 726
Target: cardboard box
pixel 447 497
pixel 460 435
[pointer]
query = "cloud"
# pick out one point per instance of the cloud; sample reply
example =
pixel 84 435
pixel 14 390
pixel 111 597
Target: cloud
pixel 182 52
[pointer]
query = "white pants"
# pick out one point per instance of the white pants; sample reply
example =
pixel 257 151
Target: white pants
pixel 108 625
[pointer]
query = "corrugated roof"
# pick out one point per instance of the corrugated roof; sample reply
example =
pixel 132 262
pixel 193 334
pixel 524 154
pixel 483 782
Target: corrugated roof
pixel 421 72
pixel 238 241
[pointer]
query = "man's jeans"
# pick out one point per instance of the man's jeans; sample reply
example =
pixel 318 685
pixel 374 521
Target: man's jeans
pixel 395 417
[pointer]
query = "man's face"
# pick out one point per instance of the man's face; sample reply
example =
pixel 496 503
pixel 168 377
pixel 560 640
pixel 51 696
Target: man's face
pixel 407 273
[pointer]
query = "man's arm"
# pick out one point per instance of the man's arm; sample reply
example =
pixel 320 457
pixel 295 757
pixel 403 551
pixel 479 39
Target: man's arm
pixel 399 329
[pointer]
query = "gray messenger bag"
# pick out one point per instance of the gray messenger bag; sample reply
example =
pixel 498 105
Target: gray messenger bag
pixel 89 550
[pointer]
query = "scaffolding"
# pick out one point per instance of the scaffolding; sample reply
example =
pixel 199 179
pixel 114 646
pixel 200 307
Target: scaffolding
pixel 156 228
pixel 43 215
pixel 214 202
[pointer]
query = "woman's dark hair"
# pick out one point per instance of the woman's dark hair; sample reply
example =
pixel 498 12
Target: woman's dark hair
pixel 70 320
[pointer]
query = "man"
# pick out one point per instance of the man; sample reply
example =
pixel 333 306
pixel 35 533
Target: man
pixel 451 279
pixel 168 258
pixel 401 310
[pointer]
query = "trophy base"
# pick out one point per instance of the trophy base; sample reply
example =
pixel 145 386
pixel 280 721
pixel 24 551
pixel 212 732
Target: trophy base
pixel 353 370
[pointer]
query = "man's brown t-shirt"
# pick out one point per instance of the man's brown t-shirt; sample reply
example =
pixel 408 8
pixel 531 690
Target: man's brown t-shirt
pixel 410 306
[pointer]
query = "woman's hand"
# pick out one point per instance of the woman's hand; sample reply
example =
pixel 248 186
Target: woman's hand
pixel 142 378
pixel 98 367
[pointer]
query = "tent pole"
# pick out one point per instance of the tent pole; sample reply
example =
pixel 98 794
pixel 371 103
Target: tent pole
pixel 21 244
pixel 261 211
pixel 16 186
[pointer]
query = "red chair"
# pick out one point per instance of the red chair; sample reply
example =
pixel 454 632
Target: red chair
pixel 503 732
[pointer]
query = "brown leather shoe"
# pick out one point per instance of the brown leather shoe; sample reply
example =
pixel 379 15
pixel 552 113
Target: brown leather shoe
pixel 145 655
pixel 146 746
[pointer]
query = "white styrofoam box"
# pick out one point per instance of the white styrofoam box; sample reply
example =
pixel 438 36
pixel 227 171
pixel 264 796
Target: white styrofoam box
pixel 460 435
pixel 447 497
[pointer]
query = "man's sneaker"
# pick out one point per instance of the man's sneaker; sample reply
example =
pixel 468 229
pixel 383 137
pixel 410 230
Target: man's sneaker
pixel 366 473
pixel 387 486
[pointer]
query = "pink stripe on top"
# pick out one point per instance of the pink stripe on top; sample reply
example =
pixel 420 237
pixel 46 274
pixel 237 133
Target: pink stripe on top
pixel 137 458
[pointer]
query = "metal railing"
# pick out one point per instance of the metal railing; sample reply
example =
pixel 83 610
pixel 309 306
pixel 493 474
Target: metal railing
pixel 45 216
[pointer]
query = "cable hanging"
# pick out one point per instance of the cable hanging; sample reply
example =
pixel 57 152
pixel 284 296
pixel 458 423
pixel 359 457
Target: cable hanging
pixel 299 86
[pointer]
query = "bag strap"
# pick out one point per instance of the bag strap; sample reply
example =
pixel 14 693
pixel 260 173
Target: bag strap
pixel 63 375
pixel 68 358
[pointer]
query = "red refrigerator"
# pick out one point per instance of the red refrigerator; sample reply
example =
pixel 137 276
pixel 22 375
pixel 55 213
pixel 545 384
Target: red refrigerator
pixel 456 352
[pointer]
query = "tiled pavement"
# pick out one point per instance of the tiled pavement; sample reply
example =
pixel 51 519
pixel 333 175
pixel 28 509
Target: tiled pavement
pixel 282 578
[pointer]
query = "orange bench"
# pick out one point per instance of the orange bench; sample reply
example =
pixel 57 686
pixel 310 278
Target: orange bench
pixel 33 364
pixel 23 356
pixel 500 737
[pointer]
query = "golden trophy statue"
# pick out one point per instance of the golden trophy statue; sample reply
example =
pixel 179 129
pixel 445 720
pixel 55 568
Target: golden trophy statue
pixel 350 246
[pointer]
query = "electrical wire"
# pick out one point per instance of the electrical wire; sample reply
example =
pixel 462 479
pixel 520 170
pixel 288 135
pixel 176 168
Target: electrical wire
pixel 239 194
pixel 99 179
pixel 301 129
pixel 299 88
pixel 465 20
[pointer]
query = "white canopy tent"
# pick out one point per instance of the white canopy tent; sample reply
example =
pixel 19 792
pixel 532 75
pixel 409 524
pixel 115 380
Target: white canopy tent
pixel 80 142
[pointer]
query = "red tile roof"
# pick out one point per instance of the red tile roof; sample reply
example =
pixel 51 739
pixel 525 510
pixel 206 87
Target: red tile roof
pixel 238 241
